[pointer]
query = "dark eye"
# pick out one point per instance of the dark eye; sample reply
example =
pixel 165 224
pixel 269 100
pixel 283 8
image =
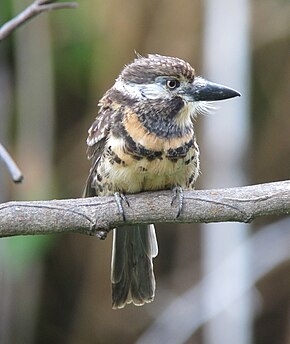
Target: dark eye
pixel 172 84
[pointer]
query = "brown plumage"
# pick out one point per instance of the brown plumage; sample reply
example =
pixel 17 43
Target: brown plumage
pixel 143 139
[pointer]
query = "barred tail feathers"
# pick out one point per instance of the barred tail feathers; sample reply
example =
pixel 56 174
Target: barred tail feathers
pixel 134 248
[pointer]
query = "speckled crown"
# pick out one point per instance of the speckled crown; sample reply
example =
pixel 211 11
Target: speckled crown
pixel 145 69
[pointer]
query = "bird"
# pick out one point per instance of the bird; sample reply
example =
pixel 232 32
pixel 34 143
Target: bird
pixel 143 139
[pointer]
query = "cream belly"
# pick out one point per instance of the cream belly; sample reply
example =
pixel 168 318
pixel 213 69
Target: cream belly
pixel 143 175
pixel 122 172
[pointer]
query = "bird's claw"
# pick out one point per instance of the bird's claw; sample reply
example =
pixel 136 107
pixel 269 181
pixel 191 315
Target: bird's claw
pixel 178 195
pixel 119 198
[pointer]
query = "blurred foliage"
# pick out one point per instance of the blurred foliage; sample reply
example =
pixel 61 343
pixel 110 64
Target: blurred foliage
pixel 20 252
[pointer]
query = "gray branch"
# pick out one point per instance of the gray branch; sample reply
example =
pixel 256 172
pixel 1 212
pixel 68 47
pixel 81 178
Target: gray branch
pixel 98 215
pixel 11 165
pixel 37 7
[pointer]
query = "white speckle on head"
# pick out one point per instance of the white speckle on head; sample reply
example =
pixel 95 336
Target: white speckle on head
pixel 141 91
pixel 154 91
pixel 129 90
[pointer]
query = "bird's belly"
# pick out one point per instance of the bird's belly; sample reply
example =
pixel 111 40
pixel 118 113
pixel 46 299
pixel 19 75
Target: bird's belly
pixel 124 171
pixel 144 175
pixel 162 173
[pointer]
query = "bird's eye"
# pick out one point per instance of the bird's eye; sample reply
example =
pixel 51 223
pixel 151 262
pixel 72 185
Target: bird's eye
pixel 172 84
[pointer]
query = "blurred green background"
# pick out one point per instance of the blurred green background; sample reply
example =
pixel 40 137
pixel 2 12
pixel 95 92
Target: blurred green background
pixel 53 71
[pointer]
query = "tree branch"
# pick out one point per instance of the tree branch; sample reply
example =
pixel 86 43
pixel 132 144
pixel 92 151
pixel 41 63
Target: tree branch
pixel 12 168
pixel 97 215
pixel 37 7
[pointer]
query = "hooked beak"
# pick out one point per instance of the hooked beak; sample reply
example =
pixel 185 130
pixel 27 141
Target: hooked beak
pixel 203 90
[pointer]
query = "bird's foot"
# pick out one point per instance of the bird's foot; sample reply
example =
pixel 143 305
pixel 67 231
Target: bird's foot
pixel 120 198
pixel 178 195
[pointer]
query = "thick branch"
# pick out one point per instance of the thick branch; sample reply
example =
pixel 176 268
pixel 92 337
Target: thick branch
pixel 37 7
pixel 97 215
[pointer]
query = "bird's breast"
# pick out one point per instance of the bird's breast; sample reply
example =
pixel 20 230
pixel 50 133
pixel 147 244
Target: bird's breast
pixel 142 161
pixel 135 132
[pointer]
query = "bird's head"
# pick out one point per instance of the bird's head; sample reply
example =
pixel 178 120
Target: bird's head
pixel 162 78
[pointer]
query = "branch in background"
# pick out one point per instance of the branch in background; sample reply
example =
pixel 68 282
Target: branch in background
pixel 97 215
pixel 13 169
pixel 37 7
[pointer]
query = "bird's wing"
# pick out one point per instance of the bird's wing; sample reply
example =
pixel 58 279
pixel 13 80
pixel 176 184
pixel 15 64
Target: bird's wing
pixel 96 141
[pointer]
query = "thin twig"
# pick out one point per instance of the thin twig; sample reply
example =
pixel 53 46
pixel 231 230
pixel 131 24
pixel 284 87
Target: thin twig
pixel 13 169
pixel 37 7
pixel 97 215
pixel 31 11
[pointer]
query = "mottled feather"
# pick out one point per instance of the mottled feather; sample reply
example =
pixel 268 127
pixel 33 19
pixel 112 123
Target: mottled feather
pixel 142 139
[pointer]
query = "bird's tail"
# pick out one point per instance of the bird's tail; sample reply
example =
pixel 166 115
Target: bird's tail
pixel 134 248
